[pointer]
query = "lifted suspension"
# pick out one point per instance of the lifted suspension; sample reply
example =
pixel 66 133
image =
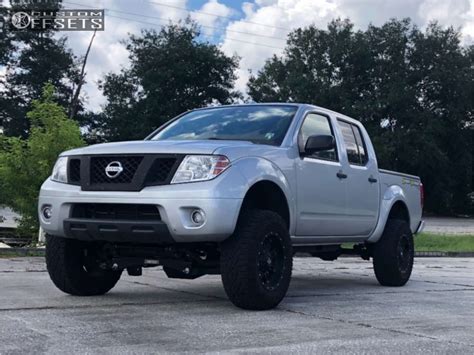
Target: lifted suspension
pixel 184 261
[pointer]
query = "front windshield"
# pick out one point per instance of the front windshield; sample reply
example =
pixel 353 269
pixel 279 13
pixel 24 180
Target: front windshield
pixel 261 124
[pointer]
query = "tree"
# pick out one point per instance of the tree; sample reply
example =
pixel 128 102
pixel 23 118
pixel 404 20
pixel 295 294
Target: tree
pixel 31 59
pixel 412 89
pixel 26 163
pixel 170 72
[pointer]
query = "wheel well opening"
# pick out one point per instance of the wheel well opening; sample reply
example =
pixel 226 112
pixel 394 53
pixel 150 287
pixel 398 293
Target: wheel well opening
pixel 267 195
pixel 399 211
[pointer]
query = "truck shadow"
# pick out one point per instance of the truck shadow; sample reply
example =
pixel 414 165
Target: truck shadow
pixel 338 282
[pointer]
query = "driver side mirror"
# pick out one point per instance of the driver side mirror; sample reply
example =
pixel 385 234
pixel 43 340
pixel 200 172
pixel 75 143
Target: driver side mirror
pixel 319 143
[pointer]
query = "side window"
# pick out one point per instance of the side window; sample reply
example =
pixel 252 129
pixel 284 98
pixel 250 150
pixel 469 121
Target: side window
pixel 315 124
pixel 355 147
pixel 360 145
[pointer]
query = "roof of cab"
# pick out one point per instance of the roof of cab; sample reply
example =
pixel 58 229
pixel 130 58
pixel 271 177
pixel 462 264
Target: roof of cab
pixel 303 106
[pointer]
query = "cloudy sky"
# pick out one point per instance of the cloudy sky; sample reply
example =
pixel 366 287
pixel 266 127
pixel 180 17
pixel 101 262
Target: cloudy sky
pixel 252 29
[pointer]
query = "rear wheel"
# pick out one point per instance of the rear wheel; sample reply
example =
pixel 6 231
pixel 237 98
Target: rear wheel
pixel 73 267
pixel 256 261
pixel 393 254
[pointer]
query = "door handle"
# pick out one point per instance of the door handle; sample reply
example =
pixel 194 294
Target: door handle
pixel 372 179
pixel 341 175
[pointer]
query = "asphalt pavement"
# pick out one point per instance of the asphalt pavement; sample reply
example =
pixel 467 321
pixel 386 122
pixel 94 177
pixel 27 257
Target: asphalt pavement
pixel 331 307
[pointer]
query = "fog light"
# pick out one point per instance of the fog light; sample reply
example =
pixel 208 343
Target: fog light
pixel 47 212
pixel 197 216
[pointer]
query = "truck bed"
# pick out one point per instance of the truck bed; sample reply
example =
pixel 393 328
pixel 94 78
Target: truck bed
pixel 410 184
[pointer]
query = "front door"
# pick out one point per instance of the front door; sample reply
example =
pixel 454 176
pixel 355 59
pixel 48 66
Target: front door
pixel 321 195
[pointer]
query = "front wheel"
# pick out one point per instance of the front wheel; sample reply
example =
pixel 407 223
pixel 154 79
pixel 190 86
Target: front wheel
pixel 256 261
pixel 73 267
pixel 394 253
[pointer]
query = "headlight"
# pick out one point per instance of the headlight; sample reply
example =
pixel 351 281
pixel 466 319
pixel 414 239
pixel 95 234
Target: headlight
pixel 200 168
pixel 60 170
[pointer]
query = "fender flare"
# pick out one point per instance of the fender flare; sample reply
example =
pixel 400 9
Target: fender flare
pixel 257 169
pixel 392 195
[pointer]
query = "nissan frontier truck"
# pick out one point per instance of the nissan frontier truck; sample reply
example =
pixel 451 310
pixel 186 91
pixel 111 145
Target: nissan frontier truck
pixel 231 190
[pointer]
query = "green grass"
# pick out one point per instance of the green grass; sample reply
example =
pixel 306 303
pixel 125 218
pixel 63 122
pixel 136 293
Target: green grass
pixel 439 242
pixel 443 242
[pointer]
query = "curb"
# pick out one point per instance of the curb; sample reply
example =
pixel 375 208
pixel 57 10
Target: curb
pixel 418 254
pixel 446 254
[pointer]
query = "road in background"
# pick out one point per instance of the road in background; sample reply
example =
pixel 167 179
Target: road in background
pixel 445 225
pixel 331 307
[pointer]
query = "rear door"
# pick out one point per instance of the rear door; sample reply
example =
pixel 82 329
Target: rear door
pixel 321 195
pixel 362 195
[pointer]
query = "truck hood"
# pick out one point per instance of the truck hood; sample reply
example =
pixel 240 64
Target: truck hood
pixel 157 147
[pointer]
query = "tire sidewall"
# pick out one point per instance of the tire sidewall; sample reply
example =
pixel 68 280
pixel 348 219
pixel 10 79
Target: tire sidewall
pixel 239 261
pixel 387 265
pixel 65 265
pixel 278 292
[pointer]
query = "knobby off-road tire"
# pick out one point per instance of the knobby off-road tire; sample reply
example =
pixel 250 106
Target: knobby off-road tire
pixel 393 254
pixel 73 269
pixel 256 261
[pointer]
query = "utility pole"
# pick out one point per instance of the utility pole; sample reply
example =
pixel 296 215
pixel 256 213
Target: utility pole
pixel 75 99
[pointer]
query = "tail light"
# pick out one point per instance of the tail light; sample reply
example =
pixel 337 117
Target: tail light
pixel 422 195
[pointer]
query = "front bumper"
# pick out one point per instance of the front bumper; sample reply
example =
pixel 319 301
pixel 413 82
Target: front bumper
pixel 124 231
pixel 174 202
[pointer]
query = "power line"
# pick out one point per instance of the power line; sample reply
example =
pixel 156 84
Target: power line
pixel 207 36
pixel 165 19
pixel 216 15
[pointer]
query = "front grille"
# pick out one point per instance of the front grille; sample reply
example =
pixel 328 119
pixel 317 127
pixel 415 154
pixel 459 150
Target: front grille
pixel 138 171
pixel 115 211
pixel 129 164
pixel 75 171
pixel 160 170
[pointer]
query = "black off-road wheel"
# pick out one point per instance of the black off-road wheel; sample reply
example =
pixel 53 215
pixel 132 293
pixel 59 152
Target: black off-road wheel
pixel 394 253
pixel 256 261
pixel 74 268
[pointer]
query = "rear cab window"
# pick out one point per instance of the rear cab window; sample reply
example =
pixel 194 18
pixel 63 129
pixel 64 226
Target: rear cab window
pixel 355 145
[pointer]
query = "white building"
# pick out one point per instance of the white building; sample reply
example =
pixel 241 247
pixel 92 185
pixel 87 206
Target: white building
pixel 8 218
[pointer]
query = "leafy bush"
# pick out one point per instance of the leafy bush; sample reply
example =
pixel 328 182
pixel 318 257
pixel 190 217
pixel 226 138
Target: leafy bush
pixel 26 163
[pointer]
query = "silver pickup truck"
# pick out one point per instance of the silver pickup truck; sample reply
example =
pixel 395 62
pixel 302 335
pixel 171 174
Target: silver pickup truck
pixel 230 190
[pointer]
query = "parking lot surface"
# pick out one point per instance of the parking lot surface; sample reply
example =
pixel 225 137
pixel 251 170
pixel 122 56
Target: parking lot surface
pixel 331 307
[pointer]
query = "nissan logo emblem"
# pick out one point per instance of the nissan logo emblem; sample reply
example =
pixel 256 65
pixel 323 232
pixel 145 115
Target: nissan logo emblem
pixel 113 169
